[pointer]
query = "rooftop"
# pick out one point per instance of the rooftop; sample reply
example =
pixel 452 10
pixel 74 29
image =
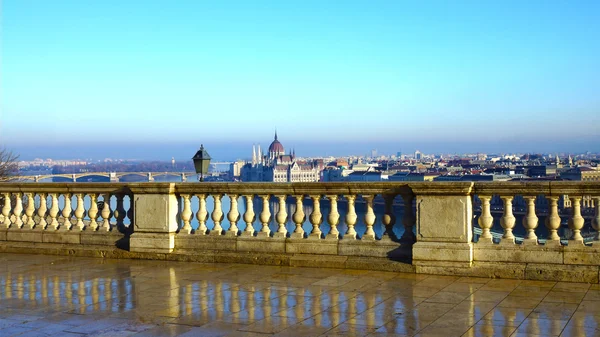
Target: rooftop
pixel 43 295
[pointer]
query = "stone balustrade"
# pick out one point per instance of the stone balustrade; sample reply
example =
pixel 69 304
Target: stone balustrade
pixel 54 213
pixel 424 227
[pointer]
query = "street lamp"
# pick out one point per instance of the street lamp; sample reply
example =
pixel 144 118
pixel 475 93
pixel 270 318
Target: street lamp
pixel 201 162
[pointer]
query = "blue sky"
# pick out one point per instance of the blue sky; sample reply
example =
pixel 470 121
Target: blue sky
pixel 439 76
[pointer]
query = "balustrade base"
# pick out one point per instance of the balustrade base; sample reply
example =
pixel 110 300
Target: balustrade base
pixel 308 246
pixel 25 235
pixel 582 255
pixel 382 248
pixel 518 253
pixel 205 242
pixel 262 244
pixel 443 254
pixel 3 234
pixel 152 242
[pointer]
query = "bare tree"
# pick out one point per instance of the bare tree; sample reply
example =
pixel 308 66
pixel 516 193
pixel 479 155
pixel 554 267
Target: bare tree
pixel 9 169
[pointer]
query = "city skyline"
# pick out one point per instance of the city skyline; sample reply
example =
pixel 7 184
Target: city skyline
pixel 113 77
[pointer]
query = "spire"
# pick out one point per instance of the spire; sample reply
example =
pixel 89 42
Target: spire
pixel 260 158
pixel 253 155
pixel 275 134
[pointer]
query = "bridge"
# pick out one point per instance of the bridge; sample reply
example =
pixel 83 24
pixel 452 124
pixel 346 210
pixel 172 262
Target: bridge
pixel 113 176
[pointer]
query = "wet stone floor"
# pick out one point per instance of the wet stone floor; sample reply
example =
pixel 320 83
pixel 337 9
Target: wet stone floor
pixel 65 296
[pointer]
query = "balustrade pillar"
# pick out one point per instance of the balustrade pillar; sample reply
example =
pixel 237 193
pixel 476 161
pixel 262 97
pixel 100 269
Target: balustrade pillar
pixel 316 218
pixel 369 218
pixel 217 215
pixel 508 221
pixel 233 216
pixel 596 219
pixel 54 211
pixel 265 217
pixel 66 213
pixel 186 214
pixel 155 218
pixel 485 220
pixel 389 218
pixel 106 213
pixel 201 215
pixel 553 221
pixel 281 218
pixel 298 218
pixel 18 210
pixel 93 211
pixel 80 211
pixel 29 211
pixel 249 216
pixel 351 218
pixel 576 220
pixel 6 208
pixel 530 221
pixel 444 225
pixel 333 218
pixel 41 212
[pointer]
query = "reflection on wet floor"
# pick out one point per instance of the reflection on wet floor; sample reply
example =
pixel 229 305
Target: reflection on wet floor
pixel 63 296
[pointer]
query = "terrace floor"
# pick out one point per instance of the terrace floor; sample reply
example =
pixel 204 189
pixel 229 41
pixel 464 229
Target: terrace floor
pixel 43 295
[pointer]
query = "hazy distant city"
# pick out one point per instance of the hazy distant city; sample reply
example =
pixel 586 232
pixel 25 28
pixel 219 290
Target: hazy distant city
pixel 275 163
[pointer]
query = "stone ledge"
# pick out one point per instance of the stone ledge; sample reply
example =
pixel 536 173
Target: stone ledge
pixel 311 246
pixel 518 253
pixel 205 242
pixel 566 273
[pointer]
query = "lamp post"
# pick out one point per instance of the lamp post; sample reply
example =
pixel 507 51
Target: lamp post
pixel 201 161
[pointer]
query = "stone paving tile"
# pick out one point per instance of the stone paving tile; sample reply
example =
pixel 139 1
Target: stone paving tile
pixel 66 296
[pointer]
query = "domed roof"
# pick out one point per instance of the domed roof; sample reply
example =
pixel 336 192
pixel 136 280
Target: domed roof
pixel 276 146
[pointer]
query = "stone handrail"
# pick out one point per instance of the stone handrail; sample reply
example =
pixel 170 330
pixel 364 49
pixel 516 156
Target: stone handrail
pixel 449 231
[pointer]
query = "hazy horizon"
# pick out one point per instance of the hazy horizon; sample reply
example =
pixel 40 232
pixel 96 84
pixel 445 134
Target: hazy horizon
pixel 229 151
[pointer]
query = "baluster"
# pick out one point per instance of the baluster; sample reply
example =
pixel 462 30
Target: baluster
pixel 18 210
pixel 202 214
pixel 576 221
pixel 409 219
pixel 596 219
pixel 530 221
pixel 6 210
pixel 106 213
pixel 120 213
pixel 316 218
pixel 389 219
pixel 54 211
pixel 130 214
pixel 485 220
pixel 553 222
pixel 351 217
pixel 333 218
pixel 265 216
pixel 249 216
pixel 30 210
pixel 186 214
pixel 41 212
pixel 217 215
pixel 93 211
pixel 80 211
pixel 233 216
pixel 298 218
pixel 508 221
pixel 281 218
pixel 66 213
pixel 369 218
